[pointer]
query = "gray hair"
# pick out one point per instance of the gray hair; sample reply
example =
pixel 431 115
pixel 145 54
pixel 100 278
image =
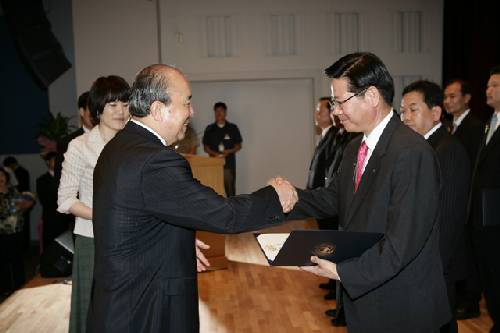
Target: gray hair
pixel 150 85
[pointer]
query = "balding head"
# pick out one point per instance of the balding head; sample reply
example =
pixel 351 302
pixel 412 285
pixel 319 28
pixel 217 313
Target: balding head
pixel 161 99
pixel 154 83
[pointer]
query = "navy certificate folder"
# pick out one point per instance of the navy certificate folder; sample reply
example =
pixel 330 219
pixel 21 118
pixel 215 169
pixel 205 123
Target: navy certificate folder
pixel 332 245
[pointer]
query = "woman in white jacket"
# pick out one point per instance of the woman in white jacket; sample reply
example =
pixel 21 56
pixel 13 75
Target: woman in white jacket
pixel 108 104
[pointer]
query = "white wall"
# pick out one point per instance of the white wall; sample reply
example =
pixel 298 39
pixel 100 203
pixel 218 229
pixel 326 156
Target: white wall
pixel 275 122
pixel 113 37
pixel 239 40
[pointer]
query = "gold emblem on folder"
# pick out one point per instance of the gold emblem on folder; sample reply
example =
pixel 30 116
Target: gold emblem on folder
pixel 324 249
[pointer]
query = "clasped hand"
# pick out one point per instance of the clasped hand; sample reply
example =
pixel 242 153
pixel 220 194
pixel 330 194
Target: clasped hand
pixel 286 191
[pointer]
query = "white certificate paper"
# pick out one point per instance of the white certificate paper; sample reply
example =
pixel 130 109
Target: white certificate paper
pixel 271 244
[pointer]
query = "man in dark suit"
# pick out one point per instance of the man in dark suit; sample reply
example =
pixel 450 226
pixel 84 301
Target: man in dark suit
pixel 324 151
pixel 469 130
pixel 54 223
pixel 147 206
pixel 421 111
pixel 486 181
pixel 385 178
pixel 86 124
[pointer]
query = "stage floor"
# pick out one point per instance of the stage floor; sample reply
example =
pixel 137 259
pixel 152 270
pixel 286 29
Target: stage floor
pixel 248 297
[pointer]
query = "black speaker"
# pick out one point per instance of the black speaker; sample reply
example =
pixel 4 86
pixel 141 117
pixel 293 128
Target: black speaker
pixel 56 261
pixel 35 41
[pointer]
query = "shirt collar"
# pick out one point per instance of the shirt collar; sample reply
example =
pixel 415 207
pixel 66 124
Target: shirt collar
pixel 150 130
pixel 457 121
pixel 324 131
pixel 371 140
pixel 432 130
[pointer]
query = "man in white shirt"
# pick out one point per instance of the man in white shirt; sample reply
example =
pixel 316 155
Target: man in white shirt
pixel 384 177
pixel 469 130
pixel 485 194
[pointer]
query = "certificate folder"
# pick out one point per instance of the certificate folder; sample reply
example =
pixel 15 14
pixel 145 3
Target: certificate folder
pixel 297 248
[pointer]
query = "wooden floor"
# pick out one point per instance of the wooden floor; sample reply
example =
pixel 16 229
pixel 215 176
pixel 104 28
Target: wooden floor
pixel 248 297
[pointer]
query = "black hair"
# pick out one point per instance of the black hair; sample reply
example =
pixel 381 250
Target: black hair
pixel 150 85
pixel 433 95
pixel 328 99
pixel 220 105
pixel 495 70
pixel 362 70
pixel 83 100
pixel 49 156
pixel 104 90
pixel 9 160
pixel 465 86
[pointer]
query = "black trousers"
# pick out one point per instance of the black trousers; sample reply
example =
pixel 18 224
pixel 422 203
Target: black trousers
pixel 12 273
pixel 469 289
pixel 486 245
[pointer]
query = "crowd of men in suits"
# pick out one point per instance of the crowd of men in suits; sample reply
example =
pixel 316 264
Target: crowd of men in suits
pixel 468 154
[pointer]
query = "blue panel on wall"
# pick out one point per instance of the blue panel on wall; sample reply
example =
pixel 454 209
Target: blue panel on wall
pixel 23 104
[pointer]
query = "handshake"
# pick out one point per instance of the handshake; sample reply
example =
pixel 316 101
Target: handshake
pixel 286 191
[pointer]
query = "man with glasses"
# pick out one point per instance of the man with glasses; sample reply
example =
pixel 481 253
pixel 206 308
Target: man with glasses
pixel 388 182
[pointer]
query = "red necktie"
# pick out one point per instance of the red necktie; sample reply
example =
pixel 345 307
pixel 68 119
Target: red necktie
pixel 362 152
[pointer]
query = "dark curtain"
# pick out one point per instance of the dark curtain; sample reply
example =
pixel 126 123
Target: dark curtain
pixel 471 46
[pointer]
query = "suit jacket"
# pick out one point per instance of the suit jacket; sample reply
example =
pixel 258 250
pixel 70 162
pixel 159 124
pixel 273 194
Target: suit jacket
pixel 340 142
pixel 147 206
pixel 322 159
pixel 486 174
pixel 455 174
pixel 23 179
pixel 398 195
pixel 62 147
pixel 470 133
pixel 54 223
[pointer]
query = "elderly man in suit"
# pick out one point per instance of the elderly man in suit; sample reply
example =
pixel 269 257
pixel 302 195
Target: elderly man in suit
pixel 421 111
pixel 147 206
pixel 388 182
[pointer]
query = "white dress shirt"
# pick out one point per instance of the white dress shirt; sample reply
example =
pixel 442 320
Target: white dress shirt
pixel 457 121
pixel 372 138
pixel 150 130
pixel 432 130
pixel 77 176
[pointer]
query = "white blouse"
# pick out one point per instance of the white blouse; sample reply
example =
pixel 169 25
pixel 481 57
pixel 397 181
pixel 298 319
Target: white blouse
pixel 77 176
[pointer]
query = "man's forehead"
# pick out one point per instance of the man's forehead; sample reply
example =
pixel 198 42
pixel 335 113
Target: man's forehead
pixel 452 88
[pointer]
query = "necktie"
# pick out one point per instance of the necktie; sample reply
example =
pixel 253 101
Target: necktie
pixel 493 127
pixel 362 152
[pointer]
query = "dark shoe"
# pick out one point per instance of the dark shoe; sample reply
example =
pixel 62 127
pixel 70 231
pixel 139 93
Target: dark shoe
pixel 467 312
pixel 331 313
pixel 331 295
pixel 339 322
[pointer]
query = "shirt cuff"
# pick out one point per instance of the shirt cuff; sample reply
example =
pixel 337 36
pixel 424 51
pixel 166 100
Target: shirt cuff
pixel 66 205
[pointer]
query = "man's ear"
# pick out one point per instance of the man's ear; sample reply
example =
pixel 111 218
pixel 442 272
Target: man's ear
pixel 372 95
pixel 467 98
pixel 158 111
pixel 436 113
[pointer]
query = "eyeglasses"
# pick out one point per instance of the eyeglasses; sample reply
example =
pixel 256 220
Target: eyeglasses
pixel 334 104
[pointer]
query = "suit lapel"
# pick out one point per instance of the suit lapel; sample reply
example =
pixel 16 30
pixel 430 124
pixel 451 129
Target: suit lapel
pixel 371 171
pixel 495 140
